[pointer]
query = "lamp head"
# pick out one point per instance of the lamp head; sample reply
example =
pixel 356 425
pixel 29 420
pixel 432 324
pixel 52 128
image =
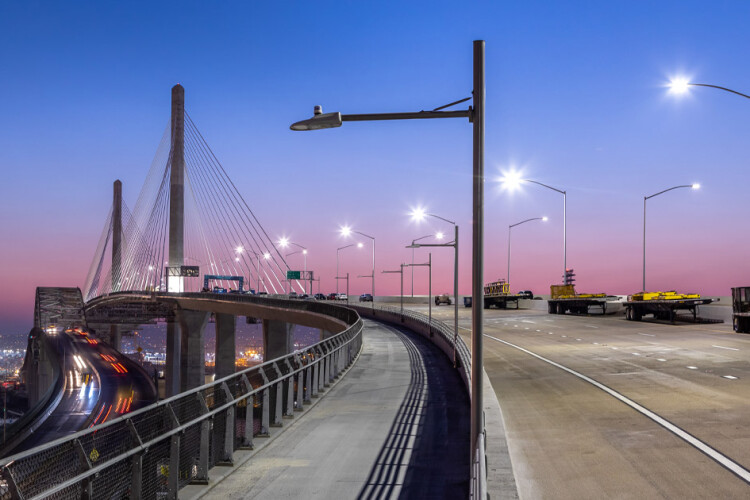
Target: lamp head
pixel 319 121
pixel 511 180
pixel 359 245
pixel 439 236
pixel 544 219
pixel 679 85
pixel 696 186
pixel 304 251
pixel 418 214
pixel 345 231
pixel 266 255
pixel 284 242
pixel 239 249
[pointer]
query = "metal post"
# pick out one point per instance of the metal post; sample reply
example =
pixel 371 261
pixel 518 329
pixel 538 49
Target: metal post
pixel 429 289
pixel 337 272
pixel 455 295
pixel 347 288
pixel 412 272
pixel 477 311
pixel 565 239
pixel 644 243
pixel 508 273
pixel 373 272
pixel 117 237
pixel 402 290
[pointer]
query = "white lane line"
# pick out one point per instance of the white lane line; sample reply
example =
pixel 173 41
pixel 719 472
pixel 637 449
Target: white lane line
pixel 578 340
pixel 565 336
pixel 722 347
pixel 646 334
pixel 596 343
pixel 691 367
pixel 722 459
pixel 591 326
pixel 730 377
pixel 636 354
pixel 660 359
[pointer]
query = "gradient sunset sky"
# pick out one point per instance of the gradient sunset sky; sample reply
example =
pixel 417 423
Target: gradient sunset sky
pixel 576 99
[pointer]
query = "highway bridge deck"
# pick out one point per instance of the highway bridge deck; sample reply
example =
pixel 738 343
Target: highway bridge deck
pixel 397 423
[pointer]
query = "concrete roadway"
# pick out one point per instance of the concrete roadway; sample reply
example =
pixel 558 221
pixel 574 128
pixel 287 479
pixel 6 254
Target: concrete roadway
pixel 571 439
pixel 395 425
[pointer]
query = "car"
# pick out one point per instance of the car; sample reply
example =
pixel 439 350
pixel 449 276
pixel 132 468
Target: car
pixel 262 293
pixel 526 294
pixel 443 299
pixel 303 296
pixel 343 296
pixel 333 296
pixel 365 297
pixel 292 295
pixel 319 296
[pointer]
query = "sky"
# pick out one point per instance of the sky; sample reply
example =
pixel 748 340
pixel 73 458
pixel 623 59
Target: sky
pixel 576 99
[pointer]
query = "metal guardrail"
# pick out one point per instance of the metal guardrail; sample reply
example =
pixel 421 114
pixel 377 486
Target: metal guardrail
pixel 153 452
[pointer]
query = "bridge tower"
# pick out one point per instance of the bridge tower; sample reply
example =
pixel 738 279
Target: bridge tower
pixel 116 235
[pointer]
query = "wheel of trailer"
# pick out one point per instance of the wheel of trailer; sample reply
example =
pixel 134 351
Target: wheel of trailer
pixel 550 308
pixel 629 313
pixel 486 305
pixel 560 309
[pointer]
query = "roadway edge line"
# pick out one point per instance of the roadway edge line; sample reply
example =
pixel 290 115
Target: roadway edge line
pixel 712 453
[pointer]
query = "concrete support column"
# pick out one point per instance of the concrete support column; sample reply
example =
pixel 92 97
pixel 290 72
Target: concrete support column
pixel 277 339
pixel 177 187
pixel 115 337
pixel 225 345
pixel 174 356
pixel 192 348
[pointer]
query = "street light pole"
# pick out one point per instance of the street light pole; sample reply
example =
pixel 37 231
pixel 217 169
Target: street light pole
pixel 337 268
pixel 401 272
pixel 475 114
pixel 412 260
pixel 509 232
pixel 692 186
pixel 565 230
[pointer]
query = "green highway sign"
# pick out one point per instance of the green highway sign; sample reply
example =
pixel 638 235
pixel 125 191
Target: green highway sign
pixel 292 275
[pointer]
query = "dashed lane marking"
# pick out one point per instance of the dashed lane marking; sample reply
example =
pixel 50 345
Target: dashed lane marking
pixel 703 447
pixel 727 348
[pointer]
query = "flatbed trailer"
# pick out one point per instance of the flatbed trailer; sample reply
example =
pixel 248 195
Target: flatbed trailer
pixel 577 305
pixel 501 301
pixel 663 309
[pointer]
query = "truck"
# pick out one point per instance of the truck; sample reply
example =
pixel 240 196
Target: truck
pixel 564 299
pixel 443 299
pixel 663 305
pixel 741 309
pixel 498 294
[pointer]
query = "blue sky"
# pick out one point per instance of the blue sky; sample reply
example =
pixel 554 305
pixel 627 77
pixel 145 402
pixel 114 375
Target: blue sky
pixel 575 97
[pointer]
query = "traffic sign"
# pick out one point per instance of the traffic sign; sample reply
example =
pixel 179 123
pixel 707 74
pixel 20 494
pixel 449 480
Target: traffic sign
pixel 293 275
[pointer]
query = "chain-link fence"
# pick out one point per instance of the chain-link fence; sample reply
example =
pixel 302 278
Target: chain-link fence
pixel 152 452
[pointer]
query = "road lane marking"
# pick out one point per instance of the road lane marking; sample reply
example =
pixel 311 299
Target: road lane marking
pixel 722 347
pixel 714 454
pixel 591 326
pixel 636 354
pixel 646 334
pixel 730 377
pixel 691 367
pixel 660 359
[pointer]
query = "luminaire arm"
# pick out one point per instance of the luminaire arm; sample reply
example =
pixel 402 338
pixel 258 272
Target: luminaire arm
pixel 720 88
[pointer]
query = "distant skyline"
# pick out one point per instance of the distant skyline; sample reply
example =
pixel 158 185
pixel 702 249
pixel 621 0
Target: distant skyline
pixel 577 98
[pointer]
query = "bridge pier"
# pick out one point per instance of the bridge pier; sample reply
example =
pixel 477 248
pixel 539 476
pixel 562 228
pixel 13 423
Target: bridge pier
pixel 192 348
pixel 115 337
pixel 277 339
pixel 225 345
pixel 172 370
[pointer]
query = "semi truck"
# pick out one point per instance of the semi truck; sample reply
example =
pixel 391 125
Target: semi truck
pixel 564 299
pixel 663 305
pixel 741 309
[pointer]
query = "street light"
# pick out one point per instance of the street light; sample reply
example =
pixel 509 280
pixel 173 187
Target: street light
pixel 438 236
pixel 347 231
pixel 691 186
pixel 401 272
pixel 682 86
pixel 420 214
pixel 512 180
pixel 337 269
pixel 543 219
pixel 475 114
pixel 284 243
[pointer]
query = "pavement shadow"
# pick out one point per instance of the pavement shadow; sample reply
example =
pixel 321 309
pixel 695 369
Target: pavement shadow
pixel 426 452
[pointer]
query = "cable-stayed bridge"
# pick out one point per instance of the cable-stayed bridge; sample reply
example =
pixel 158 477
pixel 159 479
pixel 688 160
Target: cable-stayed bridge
pixel 190 228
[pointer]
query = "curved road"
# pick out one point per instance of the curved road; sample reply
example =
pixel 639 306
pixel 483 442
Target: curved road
pixel 100 384
pixel 668 418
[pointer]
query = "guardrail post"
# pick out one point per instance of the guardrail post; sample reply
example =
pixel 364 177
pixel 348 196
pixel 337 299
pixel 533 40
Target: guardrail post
pixel 11 482
pixel 87 490
pixel 247 438
pixel 289 410
pixel 264 421
pixel 279 387
pixel 316 378
pixel 228 452
pixel 174 456
pixel 136 477
pixel 202 473
pixel 308 392
pixel 300 389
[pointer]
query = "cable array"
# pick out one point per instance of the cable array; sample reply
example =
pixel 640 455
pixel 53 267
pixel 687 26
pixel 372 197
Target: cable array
pixel 222 235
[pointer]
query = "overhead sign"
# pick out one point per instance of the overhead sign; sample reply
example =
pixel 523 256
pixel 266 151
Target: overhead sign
pixel 185 271
pixel 293 275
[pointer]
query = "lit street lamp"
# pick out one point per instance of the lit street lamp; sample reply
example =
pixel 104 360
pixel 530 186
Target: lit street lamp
pixel 420 214
pixel 346 231
pixel 512 182
pixel 544 219
pixel 284 243
pixel 682 86
pixel 692 186
pixel 475 114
